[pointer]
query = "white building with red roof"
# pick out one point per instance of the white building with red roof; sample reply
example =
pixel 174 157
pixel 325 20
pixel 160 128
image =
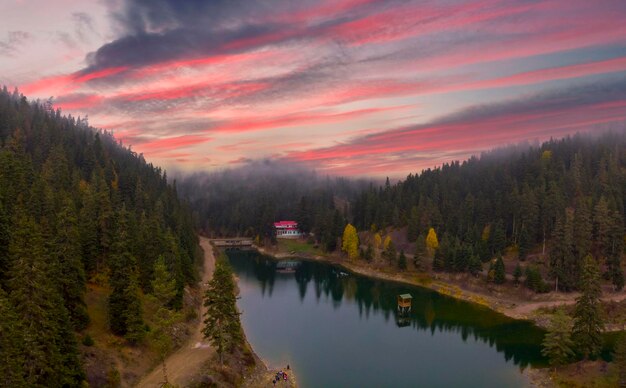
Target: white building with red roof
pixel 287 229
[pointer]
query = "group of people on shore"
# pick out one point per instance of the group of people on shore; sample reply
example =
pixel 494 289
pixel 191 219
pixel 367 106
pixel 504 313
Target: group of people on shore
pixel 280 375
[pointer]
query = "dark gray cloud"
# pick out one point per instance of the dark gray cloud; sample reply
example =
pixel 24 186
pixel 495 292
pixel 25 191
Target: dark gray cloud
pixel 163 30
pixel 547 101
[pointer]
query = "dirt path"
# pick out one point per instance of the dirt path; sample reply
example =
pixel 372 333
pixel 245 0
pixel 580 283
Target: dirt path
pixel 525 309
pixel 186 362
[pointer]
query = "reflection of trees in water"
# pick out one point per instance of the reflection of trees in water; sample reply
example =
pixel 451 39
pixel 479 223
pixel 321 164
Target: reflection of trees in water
pixel 519 341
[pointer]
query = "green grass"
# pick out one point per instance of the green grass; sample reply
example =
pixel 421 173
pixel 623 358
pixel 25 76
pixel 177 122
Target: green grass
pixel 298 246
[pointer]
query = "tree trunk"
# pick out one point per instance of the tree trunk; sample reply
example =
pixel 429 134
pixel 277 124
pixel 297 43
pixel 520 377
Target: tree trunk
pixel 556 284
pixel 164 366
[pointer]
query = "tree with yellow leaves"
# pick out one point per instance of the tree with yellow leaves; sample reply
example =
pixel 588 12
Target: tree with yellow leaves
pixel 387 242
pixel 431 240
pixel 350 242
pixel 377 241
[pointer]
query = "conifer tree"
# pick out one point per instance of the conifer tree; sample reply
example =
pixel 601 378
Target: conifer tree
pixel 517 273
pixel 557 343
pixel 525 243
pixel 221 324
pixel 475 265
pixel 439 258
pixel 498 238
pixel 588 322
pixel 412 230
pixel 50 352
pixel 534 281
pixel 620 359
pixel 5 237
pixel 132 315
pixel 402 260
pixel 124 303
pixel 163 293
pixel 499 274
pixel 88 222
pixel 421 252
pixel 390 253
pixel 67 253
pixel 11 345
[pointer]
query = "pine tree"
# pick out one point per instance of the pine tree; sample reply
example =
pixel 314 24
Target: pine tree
pixel 498 238
pixel 475 265
pixel 132 315
pixel 124 303
pixel 402 260
pixel 11 345
pixel 50 350
pixel 88 230
pixel 164 285
pixel 71 274
pixel 499 274
pixel 421 252
pixel 221 324
pixel 534 281
pixel 557 343
pixel 350 242
pixel 412 230
pixel 615 251
pixel 525 243
pixel 163 292
pixel 390 253
pixel 5 237
pixel 517 273
pixel 620 359
pixel 439 258
pixel 588 322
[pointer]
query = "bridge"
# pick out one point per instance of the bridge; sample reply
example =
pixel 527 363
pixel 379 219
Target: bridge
pixel 232 242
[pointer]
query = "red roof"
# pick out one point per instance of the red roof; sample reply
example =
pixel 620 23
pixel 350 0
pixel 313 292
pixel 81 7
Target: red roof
pixel 286 224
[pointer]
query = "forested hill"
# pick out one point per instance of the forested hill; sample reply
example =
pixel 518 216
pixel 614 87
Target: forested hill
pixel 568 193
pixel 76 206
pixel 246 201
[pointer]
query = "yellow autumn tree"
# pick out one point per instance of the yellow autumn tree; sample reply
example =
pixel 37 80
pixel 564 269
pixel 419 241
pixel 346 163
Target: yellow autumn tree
pixel 431 240
pixel 387 242
pixel 350 242
pixel 377 241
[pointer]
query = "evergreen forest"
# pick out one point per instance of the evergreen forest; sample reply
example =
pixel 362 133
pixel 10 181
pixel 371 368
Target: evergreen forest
pixel 77 207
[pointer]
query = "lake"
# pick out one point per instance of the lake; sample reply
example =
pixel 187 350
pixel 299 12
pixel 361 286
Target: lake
pixel 338 329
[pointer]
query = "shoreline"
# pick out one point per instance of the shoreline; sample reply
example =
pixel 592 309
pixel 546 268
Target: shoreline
pixel 513 308
pixel 260 375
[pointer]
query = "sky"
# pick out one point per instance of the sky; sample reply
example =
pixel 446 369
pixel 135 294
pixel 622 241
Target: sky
pixel 347 87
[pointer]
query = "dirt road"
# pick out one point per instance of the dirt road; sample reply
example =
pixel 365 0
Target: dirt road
pixel 186 362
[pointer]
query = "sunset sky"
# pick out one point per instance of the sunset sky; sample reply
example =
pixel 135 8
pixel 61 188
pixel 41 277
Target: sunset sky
pixel 349 87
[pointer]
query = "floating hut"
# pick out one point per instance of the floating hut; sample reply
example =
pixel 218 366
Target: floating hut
pixel 404 303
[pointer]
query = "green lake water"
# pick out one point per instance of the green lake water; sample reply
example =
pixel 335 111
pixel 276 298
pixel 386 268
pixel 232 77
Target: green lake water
pixel 341 330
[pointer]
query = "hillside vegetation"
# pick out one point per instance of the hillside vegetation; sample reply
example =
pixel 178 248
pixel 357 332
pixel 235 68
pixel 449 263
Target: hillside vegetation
pixel 566 196
pixel 76 208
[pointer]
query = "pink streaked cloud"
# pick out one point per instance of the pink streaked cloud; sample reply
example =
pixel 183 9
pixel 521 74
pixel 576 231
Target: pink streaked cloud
pixel 384 87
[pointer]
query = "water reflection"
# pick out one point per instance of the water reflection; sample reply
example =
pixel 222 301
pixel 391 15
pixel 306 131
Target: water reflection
pixel 519 341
